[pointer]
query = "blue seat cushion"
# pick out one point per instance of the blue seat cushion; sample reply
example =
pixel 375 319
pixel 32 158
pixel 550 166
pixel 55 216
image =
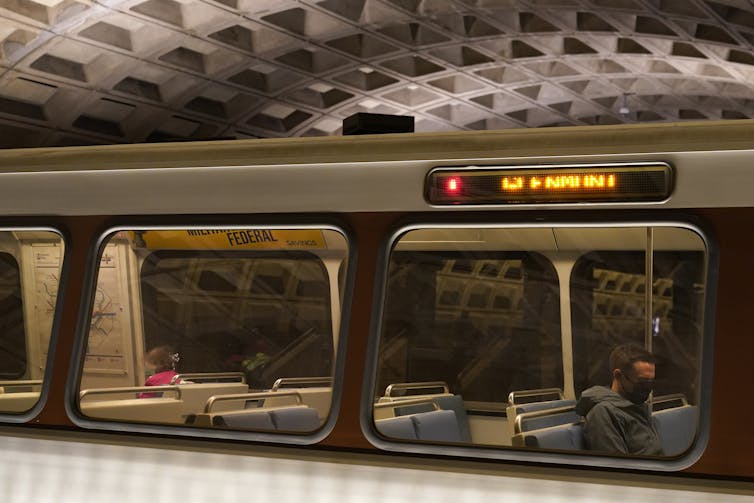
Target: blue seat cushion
pixel 567 437
pixel 251 419
pixel 676 428
pixel 295 419
pixel 397 427
pixel 438 425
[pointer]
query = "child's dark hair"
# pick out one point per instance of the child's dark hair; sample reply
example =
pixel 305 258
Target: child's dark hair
pixel 162 358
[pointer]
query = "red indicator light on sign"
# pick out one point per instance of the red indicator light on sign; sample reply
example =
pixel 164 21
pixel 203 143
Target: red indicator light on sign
pixel 453 185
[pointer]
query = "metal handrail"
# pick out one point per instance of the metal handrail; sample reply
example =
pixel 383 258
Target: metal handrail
pixel 208 376
pixel 131 389
pixel 533 392
pixel 416 385
pixel 11 384
pixel 283 381
pixel 517 428
pixel 406 403
pixel 250 396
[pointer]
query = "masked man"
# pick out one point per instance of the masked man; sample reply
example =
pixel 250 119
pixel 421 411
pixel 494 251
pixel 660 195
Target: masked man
pixel 618 419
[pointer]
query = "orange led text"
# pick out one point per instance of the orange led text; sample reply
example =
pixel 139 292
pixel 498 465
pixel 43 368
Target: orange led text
pixel 557 183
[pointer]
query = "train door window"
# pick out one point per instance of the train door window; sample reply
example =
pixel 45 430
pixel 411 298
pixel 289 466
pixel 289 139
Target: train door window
pixel 507 327
pixel 30 267
pixel 222 329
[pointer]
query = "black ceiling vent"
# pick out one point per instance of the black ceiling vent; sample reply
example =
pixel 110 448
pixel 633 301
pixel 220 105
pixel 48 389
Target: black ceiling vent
pixel 364 123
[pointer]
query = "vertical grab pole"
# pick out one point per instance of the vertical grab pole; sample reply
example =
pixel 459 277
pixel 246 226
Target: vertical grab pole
pixel 648 266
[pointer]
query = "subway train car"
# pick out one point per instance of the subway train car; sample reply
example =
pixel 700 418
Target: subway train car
pixel 375 318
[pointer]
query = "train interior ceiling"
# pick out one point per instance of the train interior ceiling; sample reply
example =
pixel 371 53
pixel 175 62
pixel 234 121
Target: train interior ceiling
pixel 478 320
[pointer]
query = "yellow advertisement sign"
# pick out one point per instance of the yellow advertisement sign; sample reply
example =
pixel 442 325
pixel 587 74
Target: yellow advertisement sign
pixel 233 239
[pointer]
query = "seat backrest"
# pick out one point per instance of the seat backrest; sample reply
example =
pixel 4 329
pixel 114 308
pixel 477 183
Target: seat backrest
pixel 455 403
pixel 299 418
pixel 514 410
pixel 444 402
pixel 295 418
pixel 545 419
pixel 397 427
pixel 676 428
pixel 318 398
pixel 253 419
pixel 567 437
pixel 438 425
pixel 407 410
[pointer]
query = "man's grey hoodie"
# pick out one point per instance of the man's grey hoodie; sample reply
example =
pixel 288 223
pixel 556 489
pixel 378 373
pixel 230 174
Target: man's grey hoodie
pixel 616 425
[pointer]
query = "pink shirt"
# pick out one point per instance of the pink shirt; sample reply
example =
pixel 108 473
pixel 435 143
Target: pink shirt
pixel 158 379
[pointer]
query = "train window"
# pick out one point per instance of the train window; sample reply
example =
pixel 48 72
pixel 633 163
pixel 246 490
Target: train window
pixel 30 268
pixel 483 335
pixel 491 336
pixel 221 329
pixel 609 302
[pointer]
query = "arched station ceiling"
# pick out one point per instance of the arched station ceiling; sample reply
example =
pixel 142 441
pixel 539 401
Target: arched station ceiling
pixel 115 71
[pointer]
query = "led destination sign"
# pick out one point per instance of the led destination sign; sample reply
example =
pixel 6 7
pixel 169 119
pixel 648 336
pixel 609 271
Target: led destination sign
pixel 561 184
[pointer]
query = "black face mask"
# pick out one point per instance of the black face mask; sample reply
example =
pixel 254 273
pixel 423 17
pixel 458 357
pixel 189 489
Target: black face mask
pixel 640 393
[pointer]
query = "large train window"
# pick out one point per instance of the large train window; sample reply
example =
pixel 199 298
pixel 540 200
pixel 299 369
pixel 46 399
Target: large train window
pixel 500 337
pixel 221 329
pixel 30 267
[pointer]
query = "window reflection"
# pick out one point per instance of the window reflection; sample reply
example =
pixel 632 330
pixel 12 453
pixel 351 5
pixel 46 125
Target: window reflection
pixel 491 336
pixel 30 266
pixel 219 328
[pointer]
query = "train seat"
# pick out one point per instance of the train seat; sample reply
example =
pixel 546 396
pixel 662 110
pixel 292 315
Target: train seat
pixel 557 428
pixel 397 427
pixel 295 419
pixel 436 414
pixel 251 419
pixel 533 400
pixel 565 437
pixel 318 398
pixel 455 403
pixel 436 425
pixel 445 402
pixel 299 418
pixel 120 405
pixel 514 410
pixel 676 427
pixel 546 418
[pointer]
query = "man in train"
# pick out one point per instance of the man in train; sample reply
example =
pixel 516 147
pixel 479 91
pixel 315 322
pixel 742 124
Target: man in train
pixel 618 419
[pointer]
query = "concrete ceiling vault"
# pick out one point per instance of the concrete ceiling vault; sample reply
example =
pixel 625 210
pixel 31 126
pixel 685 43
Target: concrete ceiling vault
pixel 118 71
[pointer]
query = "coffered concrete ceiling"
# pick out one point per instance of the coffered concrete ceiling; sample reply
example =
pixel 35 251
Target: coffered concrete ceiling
pixel 115 71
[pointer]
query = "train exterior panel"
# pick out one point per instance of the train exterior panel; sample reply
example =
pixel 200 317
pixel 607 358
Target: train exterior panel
pixel 298 278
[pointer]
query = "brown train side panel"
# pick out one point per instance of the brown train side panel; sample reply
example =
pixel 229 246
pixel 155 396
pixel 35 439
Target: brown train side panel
pixel 728 452
pixel 369 231
pixel 82 231
pixel 731 444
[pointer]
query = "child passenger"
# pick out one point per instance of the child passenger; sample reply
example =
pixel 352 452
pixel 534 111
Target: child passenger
pixel 160 362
